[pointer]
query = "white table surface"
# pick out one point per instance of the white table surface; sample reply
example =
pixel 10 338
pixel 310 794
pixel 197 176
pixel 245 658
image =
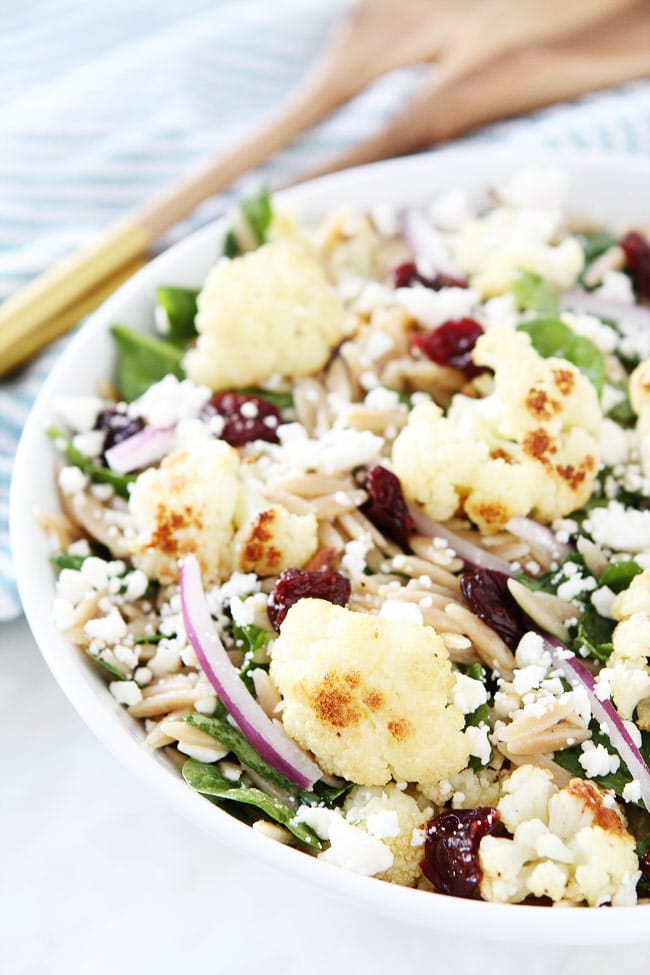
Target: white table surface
pixel 97 876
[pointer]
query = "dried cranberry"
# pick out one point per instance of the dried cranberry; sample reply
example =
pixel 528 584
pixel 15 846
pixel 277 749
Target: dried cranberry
pixel 246 418
pixel 487 593
pixel 117 426
pixel 406 275
pixel 386 507
pixel 450 858
pixel 451 344
pixel 294 584
pixel 637 261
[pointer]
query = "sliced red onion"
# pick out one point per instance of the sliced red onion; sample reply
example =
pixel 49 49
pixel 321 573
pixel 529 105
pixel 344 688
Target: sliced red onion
pixel 266 736
pixel 604 712
pixel 593 304
pixel 538 536
pixel 143 448
pixel 467 551
pixel 426 242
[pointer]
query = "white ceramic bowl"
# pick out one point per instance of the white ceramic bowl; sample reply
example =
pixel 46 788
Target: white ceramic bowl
pixel 608 189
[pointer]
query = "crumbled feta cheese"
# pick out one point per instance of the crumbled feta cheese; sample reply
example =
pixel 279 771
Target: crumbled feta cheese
pixel 432 308
pixel 170 400
pixel 602 600
pixel 619 528
pixel 71 585
pixel 72 480
pixel 383 824
pixel 110 628
pixel 617 287
pixel 79 413
pixel 63 614
pixel 596 760
pixel 632 791
pixel 479 743
pixel 90 444
pixel 396 609
pixel 468 694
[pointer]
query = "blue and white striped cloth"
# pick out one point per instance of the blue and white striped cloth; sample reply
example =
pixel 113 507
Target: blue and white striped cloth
pixel 102 104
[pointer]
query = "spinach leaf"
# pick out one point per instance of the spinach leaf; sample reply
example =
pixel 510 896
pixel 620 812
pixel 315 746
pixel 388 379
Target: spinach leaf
pixel 113 671
pixel 551 337
pixel 63 560
pixel 252 640
pixel 534 293
pixel 209 781
pixel 143 360
pixel 180 308
pixel 622 413
pixel 618 575
pixel 283 400
pixel 96 473
pixel 568 759
pixel 480 715
pixel 594 634
pixel 256 214
pixel 594 243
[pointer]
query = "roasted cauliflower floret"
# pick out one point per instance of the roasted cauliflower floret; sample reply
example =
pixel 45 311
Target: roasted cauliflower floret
pixel 492 249
pixel 199 500
pixel 273 540
pixel 530 447
pixel 394 817
pixel 626 678
pixel 269 312
pixel 187 505
pixel 567 844
pixel 369 696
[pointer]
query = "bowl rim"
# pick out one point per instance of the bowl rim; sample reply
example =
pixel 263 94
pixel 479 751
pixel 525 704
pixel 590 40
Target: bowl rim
pixel 100 712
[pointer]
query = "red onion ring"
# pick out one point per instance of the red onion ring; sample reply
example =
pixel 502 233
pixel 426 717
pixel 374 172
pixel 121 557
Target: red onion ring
pixel 426 242
pixel 143 448
pixel 593 304
pixel 467 551
pixel 604 712
pixel 267 737
pixel 539 536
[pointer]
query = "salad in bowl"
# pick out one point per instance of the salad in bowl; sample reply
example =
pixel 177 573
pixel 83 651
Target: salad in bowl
pixel 357 531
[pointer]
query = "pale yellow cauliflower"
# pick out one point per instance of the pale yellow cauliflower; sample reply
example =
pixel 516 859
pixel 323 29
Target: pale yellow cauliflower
pixel 530 447
pixel 568 844
pixel 269 312
pixel 199 501
pixel 492 249
pixel 187 505
pixel 626 678
pixel 391 815
pixel 369 696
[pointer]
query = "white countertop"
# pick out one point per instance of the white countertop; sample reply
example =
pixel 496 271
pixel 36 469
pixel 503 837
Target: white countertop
pixel 98 876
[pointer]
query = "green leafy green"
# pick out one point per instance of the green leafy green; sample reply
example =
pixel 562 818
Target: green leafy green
pixel 256 214
pixel 252 640
pixel 143 360
pixel 209 781
pixel 113 671
pixel 594 633
pixel 618 575
pixel 594 243
pixel 218 727
pixel 534 293
pixel 96 473
pixel 568 759
pixel 63 560
pixel 180 308
pixel 480 715
pixel 280 398
pixel 551 337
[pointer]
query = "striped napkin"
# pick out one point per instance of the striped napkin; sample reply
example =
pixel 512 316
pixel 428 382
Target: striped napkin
pixel 102 104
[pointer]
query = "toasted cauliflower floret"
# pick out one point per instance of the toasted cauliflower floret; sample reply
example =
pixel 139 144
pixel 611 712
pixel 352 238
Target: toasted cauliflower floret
pixel 200 501
pixel 530 447
pixel 270 311
pixel 275 540
pixel 567 844
pixel 371 697
pixel 626 678
pixel 395 818
pixel 187 505
pixel 492 249
pixel 467 790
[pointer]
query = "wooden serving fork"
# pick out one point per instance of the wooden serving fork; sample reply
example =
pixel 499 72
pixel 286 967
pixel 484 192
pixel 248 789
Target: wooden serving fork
pixel 494 58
